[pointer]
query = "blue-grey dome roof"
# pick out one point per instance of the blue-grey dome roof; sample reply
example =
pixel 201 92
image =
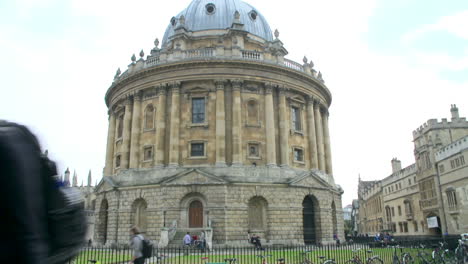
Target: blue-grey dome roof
pixel 219 14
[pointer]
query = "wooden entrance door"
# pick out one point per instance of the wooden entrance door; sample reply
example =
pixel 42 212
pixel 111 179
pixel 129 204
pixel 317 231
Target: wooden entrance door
pixel 196 214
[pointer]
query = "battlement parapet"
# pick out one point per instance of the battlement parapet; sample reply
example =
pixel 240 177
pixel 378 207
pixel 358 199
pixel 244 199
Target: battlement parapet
pixel 444 123
pixel 407 171
pixel 451 149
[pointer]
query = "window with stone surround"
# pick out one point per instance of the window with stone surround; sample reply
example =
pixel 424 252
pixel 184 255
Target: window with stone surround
pixel 252 113
pixel 117 161
pixel 149 117
pixel 441 168
pixel 139 213
pixel 257 214
pixel 120 121
pixel 198 110
pixel 452 198
pixel 415 223
pixel 296 118
pixel 399 210
pixel 405 227
pixel 197 149
pixel 148 153
pixel 298 155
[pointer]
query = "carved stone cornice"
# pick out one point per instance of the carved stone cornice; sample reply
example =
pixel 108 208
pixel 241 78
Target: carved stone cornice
pixel 128 99
pixel 175 86
pixel 138 95
pixel 310 100
pixel 237 84
pixel 162 89
pixel 317 103
pixel 282 89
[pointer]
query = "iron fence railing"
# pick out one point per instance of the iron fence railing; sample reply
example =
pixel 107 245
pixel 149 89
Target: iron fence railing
pixel 250 255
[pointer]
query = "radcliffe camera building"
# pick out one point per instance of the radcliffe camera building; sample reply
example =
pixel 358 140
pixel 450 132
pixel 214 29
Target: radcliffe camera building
pixel 429 197
pixel 217 131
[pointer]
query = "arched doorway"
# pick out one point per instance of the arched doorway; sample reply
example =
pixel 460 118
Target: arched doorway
pixel 309 218
pixel 195 214
pixel 103 218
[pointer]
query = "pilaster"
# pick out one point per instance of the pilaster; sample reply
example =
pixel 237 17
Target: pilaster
pixel 270 127
pixel 236 123
pixel 174 125
pixel 311 133
pixel 220 124
pixel 135 136
pixel 319 132
pixel 326 136
pixel 283 127
pixel 127 129
pixel 159 144
pixel 108 170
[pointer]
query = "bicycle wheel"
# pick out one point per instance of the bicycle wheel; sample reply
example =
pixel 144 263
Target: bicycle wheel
pixel 449 257
pixel 407 259
pixel 395 260
pixel 424 258
pixel 329 262
pixel 460 255
pixel 375 260
pixel 351 261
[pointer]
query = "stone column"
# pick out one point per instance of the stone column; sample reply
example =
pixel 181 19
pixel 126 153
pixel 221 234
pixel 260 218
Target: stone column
pixel 326 138
pixel 160 128
pixel 311 134
pixel 127 129
pixel 109 169
pixel 175 125
pixel 319 132
pixel 135 136
pixel 284 127
pixel 220 124
pixel 270 126
pixel 236 123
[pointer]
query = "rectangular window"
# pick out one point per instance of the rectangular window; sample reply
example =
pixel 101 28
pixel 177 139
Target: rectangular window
pixel 457 162
pixel 409 181
pixel 462 160
pixel 405 227
pixel 452 164
pixel 296 118
pixel 197 149
pixel 393 211
pixel 148 153
pixel 198 110
pixel 401 227
pixel 298 155
pixel 441 168
pixel 117 161
pixel 399 185
pixel 415 226
pixel 399 210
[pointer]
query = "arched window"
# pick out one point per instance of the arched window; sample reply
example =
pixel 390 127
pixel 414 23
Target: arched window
pixel 408 207
pixel 258 214
pixel 120 126
pixel 252 112
pixel 149 117
pixel 452 198
pixel 139 213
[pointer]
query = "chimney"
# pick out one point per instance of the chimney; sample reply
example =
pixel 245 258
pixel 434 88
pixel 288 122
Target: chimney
pixel 454 111
pixel 396 165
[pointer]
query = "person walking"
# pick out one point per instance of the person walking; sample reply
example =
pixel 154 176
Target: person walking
pixel 136 244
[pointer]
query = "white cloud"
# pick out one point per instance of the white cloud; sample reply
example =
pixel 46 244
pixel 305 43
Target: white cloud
pixel 455 24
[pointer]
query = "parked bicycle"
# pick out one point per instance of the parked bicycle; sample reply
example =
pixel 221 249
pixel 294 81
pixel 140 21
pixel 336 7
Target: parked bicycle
pixel 264 258
pixel 369 260
pixel 460 252
pixel 231 260
pixel 406 258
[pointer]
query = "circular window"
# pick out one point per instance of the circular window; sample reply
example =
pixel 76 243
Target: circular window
pixel 173 21
pixel 210 8
pixel 253 15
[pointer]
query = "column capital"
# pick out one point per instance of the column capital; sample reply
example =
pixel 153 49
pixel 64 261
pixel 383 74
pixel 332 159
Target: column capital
pixel 236 84
pixel 161 89
pixel 282 89
pixel 128 99
pixel 220 84
pixel 324 111
pixel 138 95
pixel 317 103
pixel 269 88
pixel 175 86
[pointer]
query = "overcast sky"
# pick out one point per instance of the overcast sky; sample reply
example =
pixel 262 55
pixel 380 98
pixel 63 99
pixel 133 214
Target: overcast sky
pixel 390 66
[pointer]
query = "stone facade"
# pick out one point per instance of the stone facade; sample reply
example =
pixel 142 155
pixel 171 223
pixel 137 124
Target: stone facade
pixel 217 131
pixel 434 188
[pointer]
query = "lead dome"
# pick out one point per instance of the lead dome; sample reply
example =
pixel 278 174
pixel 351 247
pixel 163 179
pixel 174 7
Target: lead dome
pixel 207 16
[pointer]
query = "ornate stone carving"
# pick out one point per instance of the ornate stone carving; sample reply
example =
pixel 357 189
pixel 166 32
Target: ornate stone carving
pixel 276 33
pixel 176 86
pixel 304 60
pixel 237 16
pixel 182 20
pixel 236 84
pixel 282 89
pixel 319 77
pixel 128 99
pixel 162 89
pixel 133 58
pixel 268 88
pixel 142 54
pixel 117 73
pixel 156 43
pixel 138 95
pixel 220 84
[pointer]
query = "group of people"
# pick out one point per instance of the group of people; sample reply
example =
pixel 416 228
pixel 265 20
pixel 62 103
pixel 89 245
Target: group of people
pixel 199 242
pixel 255 240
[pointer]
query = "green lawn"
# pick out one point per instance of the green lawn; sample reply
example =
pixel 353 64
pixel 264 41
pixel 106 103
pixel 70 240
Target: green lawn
pixel 103 255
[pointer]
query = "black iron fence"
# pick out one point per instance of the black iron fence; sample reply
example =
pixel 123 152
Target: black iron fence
pixel 250 255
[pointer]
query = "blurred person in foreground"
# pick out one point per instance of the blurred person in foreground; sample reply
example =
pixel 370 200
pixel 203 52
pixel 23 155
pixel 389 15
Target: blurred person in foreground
pixel 137 245
pixel 40 224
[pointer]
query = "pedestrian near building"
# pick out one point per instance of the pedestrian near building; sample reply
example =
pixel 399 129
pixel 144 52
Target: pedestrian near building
pixel 136 244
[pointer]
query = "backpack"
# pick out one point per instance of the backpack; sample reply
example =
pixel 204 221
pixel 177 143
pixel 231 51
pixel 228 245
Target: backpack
pixel 147 250
pixel 66 221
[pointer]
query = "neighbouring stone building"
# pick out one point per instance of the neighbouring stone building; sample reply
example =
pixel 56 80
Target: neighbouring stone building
pixel 429 197
pixel 217 131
